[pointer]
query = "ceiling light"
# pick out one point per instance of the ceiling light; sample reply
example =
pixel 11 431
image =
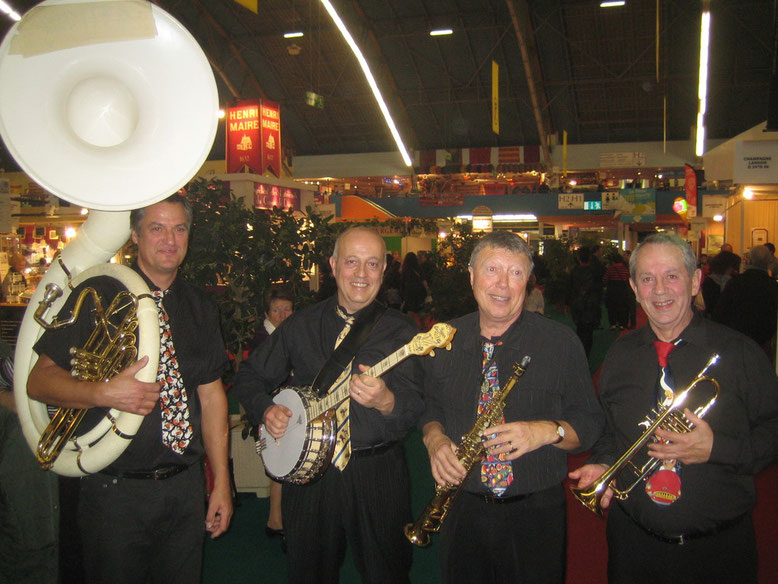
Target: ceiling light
pixel 702 87
pixel 441 32
pixel 8 9
pixel 718 218
pixel 370 80
pixel 293 35
pixel 612 3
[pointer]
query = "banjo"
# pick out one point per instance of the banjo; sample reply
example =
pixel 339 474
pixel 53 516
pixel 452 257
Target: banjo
pixel 303 453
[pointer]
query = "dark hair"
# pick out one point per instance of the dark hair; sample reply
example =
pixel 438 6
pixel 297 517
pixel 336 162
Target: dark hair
pixel 277 293
pixel 137 215
pixel 410 262
pixel 770 246
pixel 722 261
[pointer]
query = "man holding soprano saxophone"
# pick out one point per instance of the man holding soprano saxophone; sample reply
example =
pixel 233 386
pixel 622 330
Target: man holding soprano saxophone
pixel 508 524
pixel 690 521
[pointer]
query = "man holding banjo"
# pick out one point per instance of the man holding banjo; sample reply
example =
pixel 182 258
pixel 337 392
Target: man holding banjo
pixel 690 520
pixel 363 497
pixel 144 513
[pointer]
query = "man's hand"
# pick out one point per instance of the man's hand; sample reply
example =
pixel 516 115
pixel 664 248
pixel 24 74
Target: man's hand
pixel 518 438
pixel 445 466
pixel 371 392
pixel 589 473
pixel 689 447
pixel 276 420
pixel 217 519
pixel 127 394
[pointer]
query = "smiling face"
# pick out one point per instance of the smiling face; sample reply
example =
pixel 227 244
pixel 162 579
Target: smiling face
pixel 162 240
pixel 499 280
pixel 358 268
pixel 665 289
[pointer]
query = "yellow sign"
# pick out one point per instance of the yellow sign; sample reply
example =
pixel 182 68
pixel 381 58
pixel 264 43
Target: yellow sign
pixel 495 97
pixel 250 4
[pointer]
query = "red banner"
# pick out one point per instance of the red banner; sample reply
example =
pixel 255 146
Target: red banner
pixel 691 186
pixel 243 138
pixel 270 116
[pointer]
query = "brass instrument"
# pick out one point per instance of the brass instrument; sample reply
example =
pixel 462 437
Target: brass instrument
pixel 670 418
pixel 469 452
pixel 110 348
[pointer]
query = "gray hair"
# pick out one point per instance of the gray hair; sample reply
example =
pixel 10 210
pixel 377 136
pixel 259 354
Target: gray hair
pixel 689 259
pixel 760 256
pixel 502 240
pixel 353 229
pixel 137 215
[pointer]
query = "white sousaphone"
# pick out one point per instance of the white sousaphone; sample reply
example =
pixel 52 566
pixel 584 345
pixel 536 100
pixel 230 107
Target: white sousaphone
pixel 111 105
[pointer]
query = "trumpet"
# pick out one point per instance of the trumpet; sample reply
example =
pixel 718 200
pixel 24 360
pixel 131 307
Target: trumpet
pixel 469 451
pixel 669 418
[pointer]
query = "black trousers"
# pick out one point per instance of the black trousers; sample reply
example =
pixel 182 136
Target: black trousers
pixel 366 507
pixel 518 542
pixel 139 531
pixel 635 556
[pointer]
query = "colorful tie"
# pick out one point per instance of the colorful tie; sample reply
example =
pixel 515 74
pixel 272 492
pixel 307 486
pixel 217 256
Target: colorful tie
pixel 176 430
pixel 666 382
pixel 496 474
pixel 342 453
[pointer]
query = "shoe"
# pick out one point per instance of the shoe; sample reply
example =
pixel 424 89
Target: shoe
pixel 270 532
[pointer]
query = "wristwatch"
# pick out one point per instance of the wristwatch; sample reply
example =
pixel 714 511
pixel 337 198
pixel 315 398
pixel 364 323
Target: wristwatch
pixel 560 432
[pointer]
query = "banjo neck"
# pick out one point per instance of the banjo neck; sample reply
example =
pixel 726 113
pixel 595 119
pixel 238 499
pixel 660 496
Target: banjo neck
pixel 341 392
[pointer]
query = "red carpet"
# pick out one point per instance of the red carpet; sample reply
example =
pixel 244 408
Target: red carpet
pixel 587 550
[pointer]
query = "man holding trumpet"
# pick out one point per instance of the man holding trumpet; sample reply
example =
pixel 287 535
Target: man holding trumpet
pixel 508 524
pixel 690 520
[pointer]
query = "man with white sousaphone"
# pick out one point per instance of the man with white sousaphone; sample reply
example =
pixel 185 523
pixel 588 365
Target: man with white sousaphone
pixel 691 415
pixel 129 360
pixel 336 442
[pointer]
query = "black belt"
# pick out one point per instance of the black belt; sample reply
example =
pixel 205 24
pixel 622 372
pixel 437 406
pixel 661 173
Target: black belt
pixel 682 539
pixel 158 474
pixel 492 500
pixel 372 450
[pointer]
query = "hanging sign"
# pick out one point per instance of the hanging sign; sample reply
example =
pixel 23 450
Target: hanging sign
pixel 270 116
pixel 243 138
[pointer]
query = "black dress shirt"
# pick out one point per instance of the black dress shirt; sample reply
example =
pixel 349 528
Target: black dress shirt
pixel 744 421
pixel 202 359
pixel 304 342
pixel 556 386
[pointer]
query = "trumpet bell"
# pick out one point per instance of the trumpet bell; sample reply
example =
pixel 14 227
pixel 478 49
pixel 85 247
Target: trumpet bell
pixel 111 105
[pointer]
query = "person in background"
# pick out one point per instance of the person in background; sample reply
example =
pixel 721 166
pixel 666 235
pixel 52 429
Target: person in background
pixel 414 286
pixel 14 281
pixel 392 284
pixel 363 498
pixel 508 522
pixel 617 291
pixel 144 516
pixel 583 298
pixel 690 521
pixel 772 265
pixel 632 303
pixel 279 305
pixel 534 301
pixel 723 266
pixel 749 301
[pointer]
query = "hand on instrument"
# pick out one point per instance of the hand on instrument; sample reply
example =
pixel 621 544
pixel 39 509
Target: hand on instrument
pixel 127 394
pixel 589 473
pixel 518 438
pixel 371 392
pixel 445 466
pixel 689 447
pixel 276 420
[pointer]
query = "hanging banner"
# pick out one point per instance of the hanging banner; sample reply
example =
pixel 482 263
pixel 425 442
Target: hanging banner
pixel 691 190
pixel 495 97
pixel 271 137
pixel 243 138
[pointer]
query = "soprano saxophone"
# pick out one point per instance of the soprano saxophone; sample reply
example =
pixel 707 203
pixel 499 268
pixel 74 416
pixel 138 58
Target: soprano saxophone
pixel 469 452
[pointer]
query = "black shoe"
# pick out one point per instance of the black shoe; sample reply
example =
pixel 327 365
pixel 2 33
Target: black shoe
pixel 270 532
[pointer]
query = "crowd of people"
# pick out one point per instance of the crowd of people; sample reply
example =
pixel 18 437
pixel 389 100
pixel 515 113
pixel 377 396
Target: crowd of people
pixel 144 517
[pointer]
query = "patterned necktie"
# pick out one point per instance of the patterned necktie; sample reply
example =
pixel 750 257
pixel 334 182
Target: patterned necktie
pixel 342 453
pixel 176 429
pixel 666 384
pixel 496 473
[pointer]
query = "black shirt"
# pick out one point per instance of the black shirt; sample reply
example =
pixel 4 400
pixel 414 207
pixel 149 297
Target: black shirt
pixel 202 359
pixel 556 386
pixel 744 421
pixel 303 343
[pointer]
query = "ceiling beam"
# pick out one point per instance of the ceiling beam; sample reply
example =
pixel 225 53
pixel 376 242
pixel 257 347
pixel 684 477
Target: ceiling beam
pixel 522 26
